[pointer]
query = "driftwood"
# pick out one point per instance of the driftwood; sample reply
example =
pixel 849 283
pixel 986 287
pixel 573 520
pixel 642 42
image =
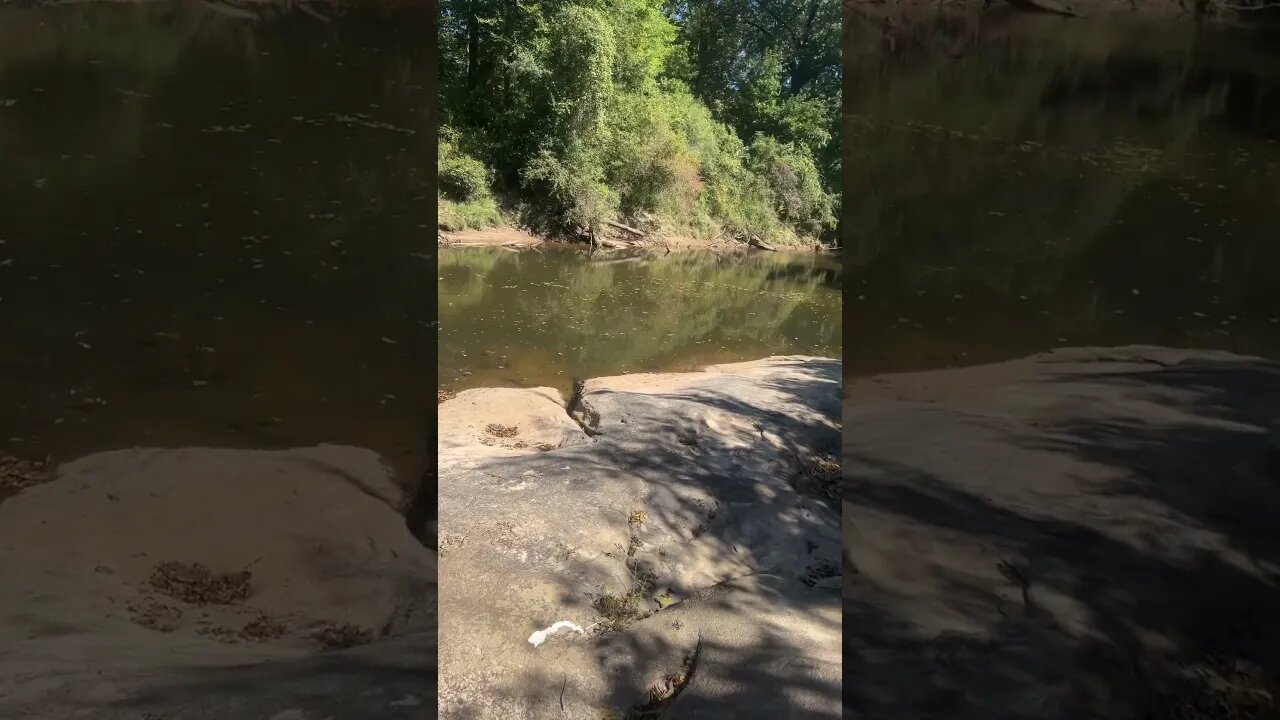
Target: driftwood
pixel 628 228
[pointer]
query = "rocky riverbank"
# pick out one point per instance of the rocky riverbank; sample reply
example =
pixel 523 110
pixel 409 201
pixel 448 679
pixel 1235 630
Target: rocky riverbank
pixel 671 544
pixel 511 237
pixel 207 583
pixel 1084 533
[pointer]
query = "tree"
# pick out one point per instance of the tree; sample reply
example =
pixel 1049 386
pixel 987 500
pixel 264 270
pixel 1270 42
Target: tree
pixel 590 110
pixel 770 66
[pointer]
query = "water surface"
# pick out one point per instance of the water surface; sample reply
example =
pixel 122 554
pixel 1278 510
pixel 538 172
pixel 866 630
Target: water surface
pixel 1032 182
pixel 214 231
pixel 548 316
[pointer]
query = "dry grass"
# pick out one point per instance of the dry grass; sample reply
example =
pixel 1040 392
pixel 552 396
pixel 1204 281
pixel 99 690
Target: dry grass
pixel 825 467
pixel 197 584
pixel 618 611
pixel 820 475
pixel 17 474
pixel 155 616
pixel 1217 690
pixel 665 690
pixel 819 571
pixel 502 431
pixel 262 628
pixel 219 633
pixel 343 635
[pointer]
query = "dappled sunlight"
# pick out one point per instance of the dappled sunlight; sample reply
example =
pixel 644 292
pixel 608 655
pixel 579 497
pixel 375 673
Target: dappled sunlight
pixel 1113 536
pixel 683 550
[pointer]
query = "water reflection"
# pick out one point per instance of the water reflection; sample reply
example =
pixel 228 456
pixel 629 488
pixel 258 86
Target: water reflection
pixel 213 231
pixel 1026 183
pixel 546 317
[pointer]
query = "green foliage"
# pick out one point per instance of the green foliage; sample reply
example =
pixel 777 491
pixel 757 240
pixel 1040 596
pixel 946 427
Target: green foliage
pixel 579 72
pixel 584 111
pixel 465 198
pixel 770 66
pixel 794 185
pixel 469 215
pixel 461 177
pixel 574 182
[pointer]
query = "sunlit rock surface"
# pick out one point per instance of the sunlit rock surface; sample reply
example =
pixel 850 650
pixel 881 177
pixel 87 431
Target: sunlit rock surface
pixel 103 616
pixel 677 518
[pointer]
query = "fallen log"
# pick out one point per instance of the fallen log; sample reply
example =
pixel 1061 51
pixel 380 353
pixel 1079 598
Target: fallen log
pixel 628 228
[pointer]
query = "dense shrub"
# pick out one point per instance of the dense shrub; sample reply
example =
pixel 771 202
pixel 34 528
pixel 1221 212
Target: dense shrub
pixel 462 178
pixel 582 110
pixel 465 199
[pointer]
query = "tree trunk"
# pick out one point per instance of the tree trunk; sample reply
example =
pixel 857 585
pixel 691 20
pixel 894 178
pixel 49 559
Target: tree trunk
pixel 473 46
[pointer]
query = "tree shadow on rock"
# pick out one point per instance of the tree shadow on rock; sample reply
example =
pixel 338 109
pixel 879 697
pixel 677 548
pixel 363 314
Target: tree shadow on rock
pixel 1089 543
pixel 386 680
pixel 727 569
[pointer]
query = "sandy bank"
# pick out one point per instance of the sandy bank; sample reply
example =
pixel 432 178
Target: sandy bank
pixel 490 237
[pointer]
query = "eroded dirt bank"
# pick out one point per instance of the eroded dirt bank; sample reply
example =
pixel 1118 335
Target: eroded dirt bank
pixel 512 237
pixel 685 523
pixel 219 584
pixel 1084 533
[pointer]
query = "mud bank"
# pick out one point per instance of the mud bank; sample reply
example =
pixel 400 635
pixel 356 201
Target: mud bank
pixel 219 584
pixel 684 523
pixel 520 238
pixel 492 237
pixel 1084 533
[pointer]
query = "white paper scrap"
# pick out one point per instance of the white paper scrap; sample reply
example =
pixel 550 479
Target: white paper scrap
pixel 541 636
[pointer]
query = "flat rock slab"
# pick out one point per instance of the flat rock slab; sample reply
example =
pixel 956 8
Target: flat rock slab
pixel 483 423
pixel 388 680
pixel 682 496
pixel 1085 533
pixel 306 550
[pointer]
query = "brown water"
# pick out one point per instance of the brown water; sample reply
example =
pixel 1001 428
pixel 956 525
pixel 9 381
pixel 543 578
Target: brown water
pixel 213 231
pixel 546 317
pixel 1037 182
